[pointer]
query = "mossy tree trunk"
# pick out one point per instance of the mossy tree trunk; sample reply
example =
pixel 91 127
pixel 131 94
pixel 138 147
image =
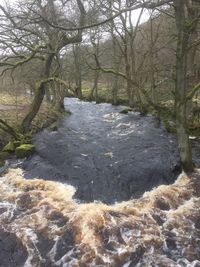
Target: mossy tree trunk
pixel 38 97
pixel 78 70
pixel 181 86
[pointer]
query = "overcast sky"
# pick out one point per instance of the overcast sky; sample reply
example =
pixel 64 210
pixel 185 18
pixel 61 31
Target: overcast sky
pixel 135 13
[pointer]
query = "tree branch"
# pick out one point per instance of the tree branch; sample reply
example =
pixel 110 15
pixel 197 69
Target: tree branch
pixel 108 70
pixel 8 129
pixel 148 5
pixel 193 91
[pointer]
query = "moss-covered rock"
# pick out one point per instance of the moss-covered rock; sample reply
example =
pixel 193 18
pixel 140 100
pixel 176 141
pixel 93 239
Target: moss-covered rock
pixel 53 127
pixel 126 110
pixel 4 155
pixel 16 144
pixel 2 163
pixel 10 148
pixel 24 150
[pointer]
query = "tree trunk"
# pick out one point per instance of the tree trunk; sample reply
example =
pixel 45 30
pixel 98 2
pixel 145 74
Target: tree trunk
pixel 95 87
pixel 130 92
pixel 115 90
pixel 78 74
pixel 193 13
pixel 60 95
pixel 94 91
pixel 180 89
pixel 38 97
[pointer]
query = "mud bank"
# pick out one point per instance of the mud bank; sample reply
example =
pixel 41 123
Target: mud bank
pixel 41 225
pixel 105 155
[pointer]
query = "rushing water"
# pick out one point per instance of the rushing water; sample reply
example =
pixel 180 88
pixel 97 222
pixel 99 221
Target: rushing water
pixel 106 155
pixel 42 226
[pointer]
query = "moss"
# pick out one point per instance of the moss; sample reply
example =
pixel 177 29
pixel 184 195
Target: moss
pixel 53 127
pixel 24 150
pixel 168 125
pixel 4 155
pixel 194 130
pixel 10 148
pixel 2 163
pixel 126 110
pixel 16 144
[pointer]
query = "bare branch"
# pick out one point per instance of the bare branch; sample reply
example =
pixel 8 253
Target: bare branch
pixel 148 5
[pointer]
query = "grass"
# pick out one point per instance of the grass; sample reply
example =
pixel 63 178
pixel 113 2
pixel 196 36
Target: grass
pixel 13 108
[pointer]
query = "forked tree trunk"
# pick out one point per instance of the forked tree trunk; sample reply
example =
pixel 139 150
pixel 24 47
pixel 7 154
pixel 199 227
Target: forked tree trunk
pixel 78 74
pixel 38 98
pixel 181 87
pixel 115 90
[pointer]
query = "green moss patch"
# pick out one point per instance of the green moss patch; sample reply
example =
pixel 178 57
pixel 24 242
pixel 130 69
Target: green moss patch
pixel 4 155
pixel 10 148
pixel 126 110
pixel 24 150
pixel 16 144
pixel 2 163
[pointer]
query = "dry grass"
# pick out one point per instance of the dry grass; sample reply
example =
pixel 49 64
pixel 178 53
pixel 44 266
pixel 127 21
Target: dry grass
pixel 13 109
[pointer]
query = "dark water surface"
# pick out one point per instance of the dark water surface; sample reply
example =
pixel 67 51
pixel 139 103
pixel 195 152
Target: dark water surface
pixel 106 155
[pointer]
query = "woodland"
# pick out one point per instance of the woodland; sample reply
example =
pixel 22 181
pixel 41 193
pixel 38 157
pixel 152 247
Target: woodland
pixel 101 50
pixel 87 85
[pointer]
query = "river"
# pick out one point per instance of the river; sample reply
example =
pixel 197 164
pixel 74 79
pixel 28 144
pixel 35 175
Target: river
pixel 107 156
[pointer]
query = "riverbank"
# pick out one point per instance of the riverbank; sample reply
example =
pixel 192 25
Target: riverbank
pixel 14 108
pixel 98 149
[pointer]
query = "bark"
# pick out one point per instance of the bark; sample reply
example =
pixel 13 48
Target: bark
pixel 115 90
pixel 38 97
pixel 94 92
pixel 116 66
pixel 60 97
pixel 180 88
pixel 193 13
pixel 78 74
pixel 8 129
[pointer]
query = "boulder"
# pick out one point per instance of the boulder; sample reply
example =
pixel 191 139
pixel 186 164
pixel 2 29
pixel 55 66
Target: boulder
pixel 53 127
pixel 4 155
pixel 126 110
pixel 10 148
pixel 24 150
pixel 2 163
pixel 16 144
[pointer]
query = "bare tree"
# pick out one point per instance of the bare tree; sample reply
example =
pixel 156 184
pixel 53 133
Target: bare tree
pixel 26 34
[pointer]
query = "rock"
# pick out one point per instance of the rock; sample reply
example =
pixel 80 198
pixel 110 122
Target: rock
pixel 16 143
pixel 24 150
pixel 161 204
pixel 10 148
pixel 4 155
pixel 2 163
pixel 53 127
pixel 12 251
pixel 24 201
pixel 126 110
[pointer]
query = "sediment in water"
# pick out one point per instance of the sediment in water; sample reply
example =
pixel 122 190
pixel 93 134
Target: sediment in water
pixel 50 228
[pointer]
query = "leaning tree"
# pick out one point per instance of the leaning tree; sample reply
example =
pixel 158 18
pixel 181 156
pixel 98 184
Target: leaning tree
pixel 27 35
pixel 39 29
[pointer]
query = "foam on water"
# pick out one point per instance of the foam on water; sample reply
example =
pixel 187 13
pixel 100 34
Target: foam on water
pixel 52 229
